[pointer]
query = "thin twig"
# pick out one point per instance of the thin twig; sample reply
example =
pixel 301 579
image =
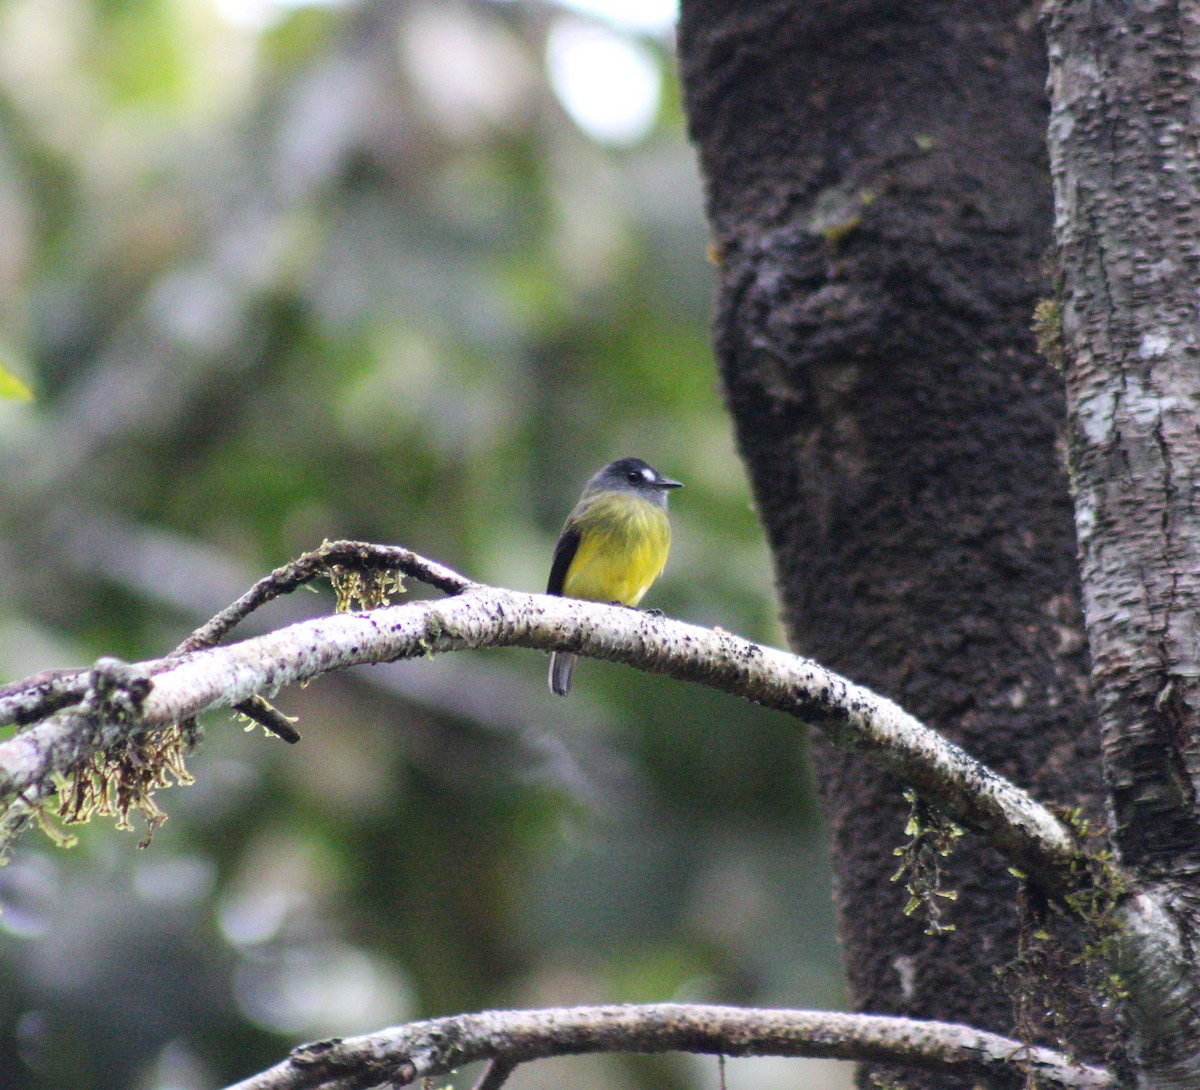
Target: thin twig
pixel 496 1074
pixel 359 555
pixel 34 698
pixel 270 718
pixel 41 695
pixel 403 1054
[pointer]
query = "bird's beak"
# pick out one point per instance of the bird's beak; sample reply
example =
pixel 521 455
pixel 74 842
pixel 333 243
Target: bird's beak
pixel 666 482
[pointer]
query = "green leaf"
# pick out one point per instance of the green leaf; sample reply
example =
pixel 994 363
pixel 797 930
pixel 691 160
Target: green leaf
pixel 12 388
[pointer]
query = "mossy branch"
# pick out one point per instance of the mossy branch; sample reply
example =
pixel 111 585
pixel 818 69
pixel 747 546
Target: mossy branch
pixel 186 683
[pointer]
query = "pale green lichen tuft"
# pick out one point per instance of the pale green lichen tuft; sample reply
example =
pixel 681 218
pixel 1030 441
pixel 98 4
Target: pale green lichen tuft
pixel 122 780
pixel 932 836
pixel 370 589
pixel 1047 328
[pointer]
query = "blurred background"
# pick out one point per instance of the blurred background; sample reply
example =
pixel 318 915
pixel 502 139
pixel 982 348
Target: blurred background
pixel 407 272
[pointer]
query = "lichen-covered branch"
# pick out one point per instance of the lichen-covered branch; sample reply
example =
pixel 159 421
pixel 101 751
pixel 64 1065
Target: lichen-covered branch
pixel 325 562
pixel 350 565
pixel 181 688
pixel 34 698
pixel 400 1056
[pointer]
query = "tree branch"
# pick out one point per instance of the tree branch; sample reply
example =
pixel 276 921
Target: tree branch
pixel 496 1074
pixel 34 698
pixel 31 700
pixel 401 1055
pixel 325 562
pixel 182 687
pixel 320 564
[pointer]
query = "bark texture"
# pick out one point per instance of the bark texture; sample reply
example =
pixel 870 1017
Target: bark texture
pixel 880 199
pixel 509 1038
pixel 138 715
pixel 1125 83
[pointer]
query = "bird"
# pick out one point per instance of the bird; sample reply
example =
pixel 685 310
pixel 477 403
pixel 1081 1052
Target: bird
pixel 613 545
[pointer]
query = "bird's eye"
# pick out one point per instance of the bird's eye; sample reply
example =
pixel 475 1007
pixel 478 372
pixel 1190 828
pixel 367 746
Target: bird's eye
pixel 634 476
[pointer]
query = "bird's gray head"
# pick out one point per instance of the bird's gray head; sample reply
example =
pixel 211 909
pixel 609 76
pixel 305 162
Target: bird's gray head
pixel 633 475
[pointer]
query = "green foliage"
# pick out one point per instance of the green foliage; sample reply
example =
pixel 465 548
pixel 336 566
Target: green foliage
pixel 273 286
pixel 12 388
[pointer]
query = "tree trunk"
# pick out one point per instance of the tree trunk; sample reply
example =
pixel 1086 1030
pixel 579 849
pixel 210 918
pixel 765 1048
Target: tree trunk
pixel 1127 185
pixel 878 190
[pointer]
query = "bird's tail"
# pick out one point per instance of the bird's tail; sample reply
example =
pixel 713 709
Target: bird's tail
pixel 561 665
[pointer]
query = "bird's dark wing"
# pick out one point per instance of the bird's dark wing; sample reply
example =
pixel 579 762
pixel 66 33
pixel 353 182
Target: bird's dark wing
pixel 564 553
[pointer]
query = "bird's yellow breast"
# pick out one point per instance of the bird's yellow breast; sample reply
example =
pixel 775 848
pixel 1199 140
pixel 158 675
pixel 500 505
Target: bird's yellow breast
pixel 623 546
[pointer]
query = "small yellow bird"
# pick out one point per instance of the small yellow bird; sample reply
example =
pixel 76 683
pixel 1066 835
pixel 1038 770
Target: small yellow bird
pixel 613 545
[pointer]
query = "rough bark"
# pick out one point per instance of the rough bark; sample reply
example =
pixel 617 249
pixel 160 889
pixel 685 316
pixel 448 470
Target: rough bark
pixel 422 1050
pixel 880 201
pixel 1123 141
pixel 128 722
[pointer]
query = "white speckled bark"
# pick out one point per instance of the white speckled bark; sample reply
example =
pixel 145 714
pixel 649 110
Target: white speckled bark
pixel 426 1049
pixel 852 716
pixel 1125 88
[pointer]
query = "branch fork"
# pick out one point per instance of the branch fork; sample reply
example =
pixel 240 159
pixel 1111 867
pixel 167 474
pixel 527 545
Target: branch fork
pixel 199 677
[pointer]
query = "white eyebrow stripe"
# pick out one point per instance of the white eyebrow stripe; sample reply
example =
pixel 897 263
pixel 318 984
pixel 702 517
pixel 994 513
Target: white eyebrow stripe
pixel 648 474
